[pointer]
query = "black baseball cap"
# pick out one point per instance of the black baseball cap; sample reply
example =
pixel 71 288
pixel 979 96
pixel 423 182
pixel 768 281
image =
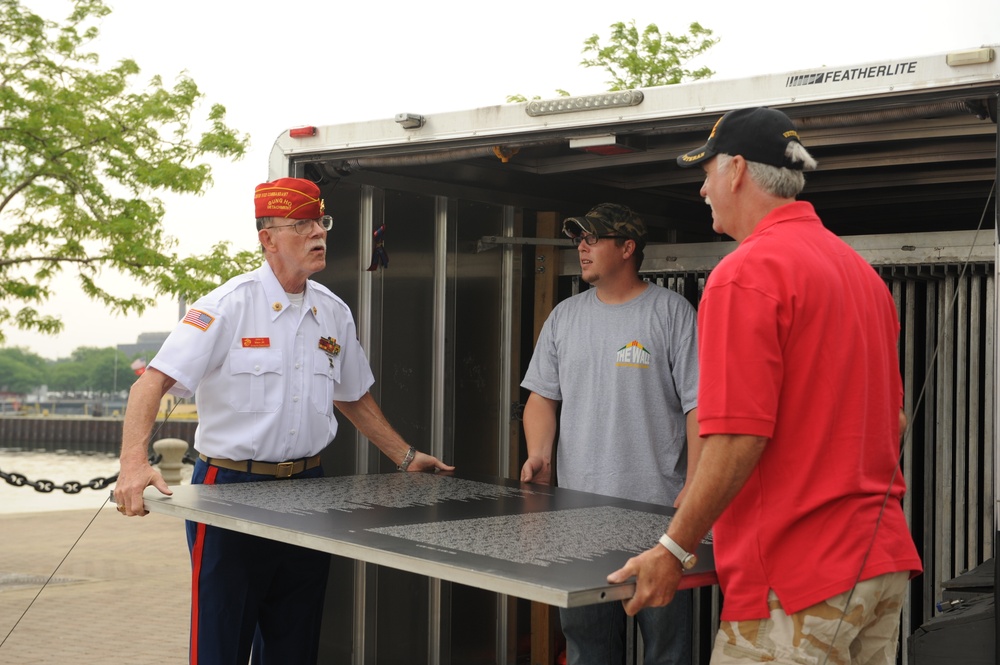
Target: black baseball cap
pixel 758 134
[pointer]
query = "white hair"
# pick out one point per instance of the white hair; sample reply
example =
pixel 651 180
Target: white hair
pixel 779 181
pixel 797 154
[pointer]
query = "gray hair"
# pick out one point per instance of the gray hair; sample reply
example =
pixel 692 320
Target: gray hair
pixel 263 223
pixel 778 180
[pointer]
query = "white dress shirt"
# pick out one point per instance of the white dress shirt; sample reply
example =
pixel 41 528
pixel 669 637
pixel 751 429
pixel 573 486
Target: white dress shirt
pixel 265 373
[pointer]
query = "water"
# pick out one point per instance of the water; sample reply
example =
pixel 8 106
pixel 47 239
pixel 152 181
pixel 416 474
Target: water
pixel 59 467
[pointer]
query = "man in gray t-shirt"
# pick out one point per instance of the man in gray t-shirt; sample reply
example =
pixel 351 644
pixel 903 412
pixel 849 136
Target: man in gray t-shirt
pixel 621 359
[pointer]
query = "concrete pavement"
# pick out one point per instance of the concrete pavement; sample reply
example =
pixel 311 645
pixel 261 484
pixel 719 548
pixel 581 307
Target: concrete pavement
pixel 122 595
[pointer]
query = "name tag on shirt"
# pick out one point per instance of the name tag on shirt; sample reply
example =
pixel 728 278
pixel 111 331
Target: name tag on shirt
pixel 256 342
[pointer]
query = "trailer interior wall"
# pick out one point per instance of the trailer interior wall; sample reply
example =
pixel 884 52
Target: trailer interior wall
pixel 431 324
pixel 908 170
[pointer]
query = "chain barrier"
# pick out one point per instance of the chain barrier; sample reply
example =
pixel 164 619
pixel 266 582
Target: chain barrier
pixel 74 486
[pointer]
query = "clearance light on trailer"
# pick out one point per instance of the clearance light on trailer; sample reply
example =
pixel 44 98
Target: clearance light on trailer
pixel 979 56
pixel 409 120
pixel 302 132
pixel 585 103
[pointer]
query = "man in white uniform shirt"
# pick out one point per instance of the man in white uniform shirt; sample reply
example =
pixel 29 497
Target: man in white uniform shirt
pixel 267 355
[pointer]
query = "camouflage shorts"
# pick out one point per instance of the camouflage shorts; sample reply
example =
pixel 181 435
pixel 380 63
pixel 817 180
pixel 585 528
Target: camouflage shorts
pixel 860 630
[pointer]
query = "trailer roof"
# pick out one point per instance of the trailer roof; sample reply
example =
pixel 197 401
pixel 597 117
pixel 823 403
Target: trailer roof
pixel 908 144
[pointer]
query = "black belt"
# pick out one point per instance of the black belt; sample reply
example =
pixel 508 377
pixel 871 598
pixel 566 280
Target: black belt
pixel 276 469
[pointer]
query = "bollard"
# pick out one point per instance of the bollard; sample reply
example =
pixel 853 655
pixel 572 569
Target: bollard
pixel 173 451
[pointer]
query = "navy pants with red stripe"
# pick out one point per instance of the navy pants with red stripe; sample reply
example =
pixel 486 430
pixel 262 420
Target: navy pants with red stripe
pixel 243 585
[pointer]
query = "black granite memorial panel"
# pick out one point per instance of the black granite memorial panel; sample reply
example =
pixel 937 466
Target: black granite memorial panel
pixel 546 544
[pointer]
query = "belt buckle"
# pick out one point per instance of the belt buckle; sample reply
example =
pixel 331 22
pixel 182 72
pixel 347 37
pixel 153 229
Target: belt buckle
pixel 285 470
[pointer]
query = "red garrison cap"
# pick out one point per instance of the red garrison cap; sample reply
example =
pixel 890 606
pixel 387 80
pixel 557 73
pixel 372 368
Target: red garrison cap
pixel 291 198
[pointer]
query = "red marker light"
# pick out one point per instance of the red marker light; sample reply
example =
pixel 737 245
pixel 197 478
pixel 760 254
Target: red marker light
pixel 301 132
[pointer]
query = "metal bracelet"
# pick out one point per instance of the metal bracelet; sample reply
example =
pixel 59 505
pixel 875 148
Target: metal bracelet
pixel 410 454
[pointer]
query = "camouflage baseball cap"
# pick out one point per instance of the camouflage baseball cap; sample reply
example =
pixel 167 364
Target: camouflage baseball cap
pixel 608 219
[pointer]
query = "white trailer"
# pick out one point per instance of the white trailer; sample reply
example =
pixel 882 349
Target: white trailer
pixel 468 204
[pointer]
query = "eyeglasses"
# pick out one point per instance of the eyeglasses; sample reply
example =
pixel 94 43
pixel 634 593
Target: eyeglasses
pixel 590 238
pixel 304 226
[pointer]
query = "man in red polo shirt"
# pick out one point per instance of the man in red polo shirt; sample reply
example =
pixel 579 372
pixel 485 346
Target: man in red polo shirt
pixel 799 404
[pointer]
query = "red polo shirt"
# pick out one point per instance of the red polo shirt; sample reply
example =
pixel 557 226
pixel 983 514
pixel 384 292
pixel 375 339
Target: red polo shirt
pixel 797 343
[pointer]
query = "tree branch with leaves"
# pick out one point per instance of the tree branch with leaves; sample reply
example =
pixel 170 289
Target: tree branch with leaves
pixel 650 58
pixel 643 60
pixel 85 151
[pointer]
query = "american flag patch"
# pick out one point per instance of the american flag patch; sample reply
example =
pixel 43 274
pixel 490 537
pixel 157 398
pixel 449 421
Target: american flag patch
pixel 198 319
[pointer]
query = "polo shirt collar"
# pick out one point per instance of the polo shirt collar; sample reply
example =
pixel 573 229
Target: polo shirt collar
pixel 797 211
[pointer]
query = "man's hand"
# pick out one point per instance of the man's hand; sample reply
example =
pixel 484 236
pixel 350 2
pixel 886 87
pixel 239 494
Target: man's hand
pixel 133 478
pixel 540 436
pixel 536 470
pixel 424 462
pixel 657 573
pixel 135 473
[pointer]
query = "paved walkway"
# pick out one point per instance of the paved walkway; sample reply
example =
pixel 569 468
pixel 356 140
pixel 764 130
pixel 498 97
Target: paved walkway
pixel 121 596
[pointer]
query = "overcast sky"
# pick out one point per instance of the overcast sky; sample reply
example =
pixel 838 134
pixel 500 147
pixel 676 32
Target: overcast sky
pixel 302 62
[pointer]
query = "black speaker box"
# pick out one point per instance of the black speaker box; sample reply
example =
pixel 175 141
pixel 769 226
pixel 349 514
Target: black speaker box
pixel 964 633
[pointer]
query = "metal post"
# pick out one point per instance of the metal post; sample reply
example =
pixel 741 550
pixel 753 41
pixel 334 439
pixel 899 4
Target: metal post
pixel 363 318
pixel 434 602
pixel 503 657
pixel 996 410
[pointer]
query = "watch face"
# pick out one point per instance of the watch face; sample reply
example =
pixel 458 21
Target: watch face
pixel 689 562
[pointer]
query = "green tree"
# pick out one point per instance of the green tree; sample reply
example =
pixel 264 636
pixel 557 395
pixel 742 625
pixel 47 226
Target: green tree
pixel 21 371
pixel 644 60
pixel 648 59
pixel 85 152
pixel 92 371
pixel 67 376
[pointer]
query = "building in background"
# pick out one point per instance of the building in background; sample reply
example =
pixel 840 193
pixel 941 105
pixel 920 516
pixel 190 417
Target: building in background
pixel 146 345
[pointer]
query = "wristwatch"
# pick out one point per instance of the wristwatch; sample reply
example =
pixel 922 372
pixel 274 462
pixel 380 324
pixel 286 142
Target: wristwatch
pixel 687 559
pixel 410 454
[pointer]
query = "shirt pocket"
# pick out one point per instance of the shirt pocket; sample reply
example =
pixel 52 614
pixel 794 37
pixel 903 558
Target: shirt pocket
pixel 255 380
pixel 325 373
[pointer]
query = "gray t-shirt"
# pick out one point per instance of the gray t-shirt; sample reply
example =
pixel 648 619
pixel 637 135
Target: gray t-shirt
pixel 626 374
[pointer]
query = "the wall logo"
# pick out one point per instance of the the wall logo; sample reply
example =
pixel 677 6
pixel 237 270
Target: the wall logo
pixel 632 354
